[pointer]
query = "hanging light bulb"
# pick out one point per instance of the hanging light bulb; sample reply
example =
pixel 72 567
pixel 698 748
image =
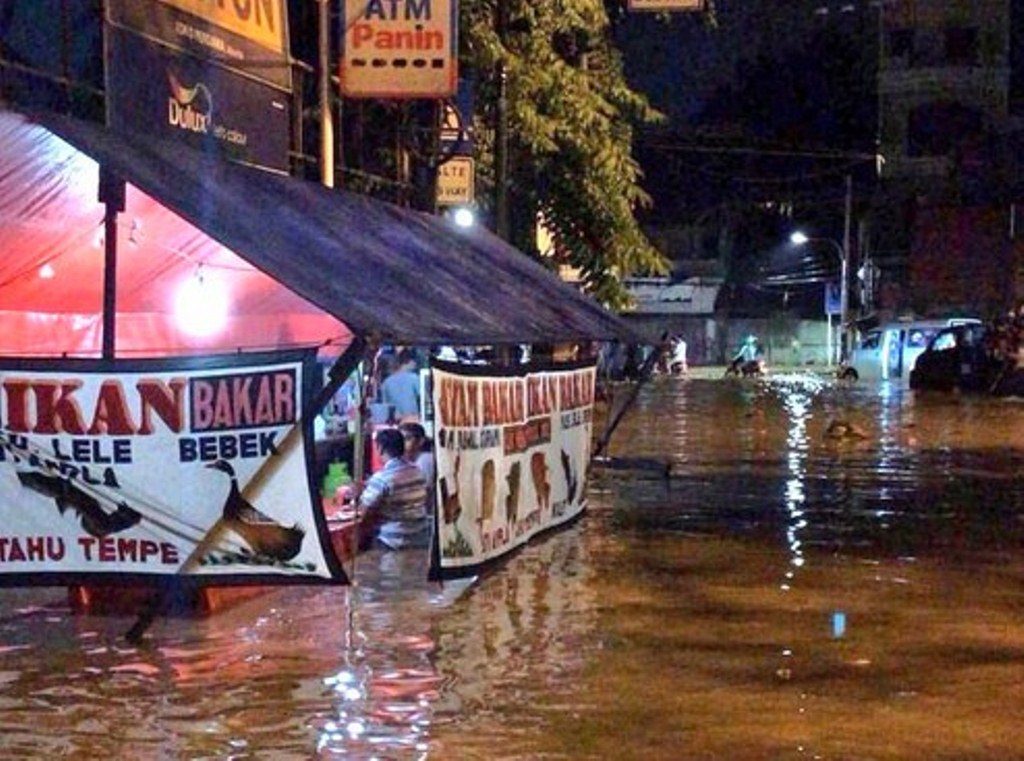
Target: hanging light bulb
pixel 201 304
pixel 135 234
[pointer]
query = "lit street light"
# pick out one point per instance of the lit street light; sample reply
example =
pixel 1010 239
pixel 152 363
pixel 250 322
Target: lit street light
pixel 798 238
pixel 463 216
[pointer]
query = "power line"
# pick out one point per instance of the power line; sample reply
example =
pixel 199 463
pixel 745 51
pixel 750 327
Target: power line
pixel 853 156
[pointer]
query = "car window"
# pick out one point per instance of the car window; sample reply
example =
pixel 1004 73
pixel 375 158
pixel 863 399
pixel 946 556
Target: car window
pixel 919 337
pixel 944 340
pixel 871 340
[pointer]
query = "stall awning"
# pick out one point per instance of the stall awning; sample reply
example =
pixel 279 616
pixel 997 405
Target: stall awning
pixel 381 271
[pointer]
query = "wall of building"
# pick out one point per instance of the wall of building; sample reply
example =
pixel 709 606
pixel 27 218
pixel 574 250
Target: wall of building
pixel 944 68
pixel 712 340
pixel 963 260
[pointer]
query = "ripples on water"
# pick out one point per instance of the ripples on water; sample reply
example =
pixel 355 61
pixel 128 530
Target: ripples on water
pixel 790 591
pixel 899 473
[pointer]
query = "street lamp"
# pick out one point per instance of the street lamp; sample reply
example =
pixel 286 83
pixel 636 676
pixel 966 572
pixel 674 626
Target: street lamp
pixel 799 238
pixel 463 216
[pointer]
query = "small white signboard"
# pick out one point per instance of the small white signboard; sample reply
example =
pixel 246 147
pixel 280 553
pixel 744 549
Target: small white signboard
pixel 455 179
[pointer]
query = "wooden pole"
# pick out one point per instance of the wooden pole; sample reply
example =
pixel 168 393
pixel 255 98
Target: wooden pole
pixel 646 371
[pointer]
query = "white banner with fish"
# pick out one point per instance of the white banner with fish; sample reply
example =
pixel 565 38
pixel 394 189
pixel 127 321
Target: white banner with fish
pixel 512 447
pixel 138 469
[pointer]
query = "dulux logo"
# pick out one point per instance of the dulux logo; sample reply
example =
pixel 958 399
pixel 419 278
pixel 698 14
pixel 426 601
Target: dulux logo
pixel 189 108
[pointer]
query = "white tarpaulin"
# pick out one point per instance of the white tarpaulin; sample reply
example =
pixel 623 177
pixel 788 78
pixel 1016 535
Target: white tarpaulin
pixel 512 452
pixel 159 467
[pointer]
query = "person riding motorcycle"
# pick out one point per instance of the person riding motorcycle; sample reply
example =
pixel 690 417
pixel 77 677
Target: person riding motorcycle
pixel 747 360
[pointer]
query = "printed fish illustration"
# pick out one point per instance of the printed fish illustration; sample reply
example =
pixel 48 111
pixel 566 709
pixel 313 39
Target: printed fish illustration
pixel 95 520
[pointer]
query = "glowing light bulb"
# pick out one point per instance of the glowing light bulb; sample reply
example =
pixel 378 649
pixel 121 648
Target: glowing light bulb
pixel 46 272
pixel 464 217
pixel 201 305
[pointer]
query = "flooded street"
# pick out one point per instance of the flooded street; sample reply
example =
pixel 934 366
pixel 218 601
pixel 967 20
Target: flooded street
pixel 826 571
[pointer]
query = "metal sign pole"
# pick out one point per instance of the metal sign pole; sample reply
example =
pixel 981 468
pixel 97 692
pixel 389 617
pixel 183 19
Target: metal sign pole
pixel 828 336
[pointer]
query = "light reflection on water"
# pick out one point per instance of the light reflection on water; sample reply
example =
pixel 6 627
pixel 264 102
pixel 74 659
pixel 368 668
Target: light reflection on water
pixel 787 593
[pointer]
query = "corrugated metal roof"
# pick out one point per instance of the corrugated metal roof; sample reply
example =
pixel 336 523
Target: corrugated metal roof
pixel 386 272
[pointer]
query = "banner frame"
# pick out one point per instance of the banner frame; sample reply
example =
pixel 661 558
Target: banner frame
pixel 312 390
pixel 438 572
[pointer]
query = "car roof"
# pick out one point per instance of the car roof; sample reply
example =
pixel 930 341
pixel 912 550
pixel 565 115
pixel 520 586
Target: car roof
pixel 929 323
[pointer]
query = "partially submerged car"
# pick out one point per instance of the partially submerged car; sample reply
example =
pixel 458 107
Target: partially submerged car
pixel 960 358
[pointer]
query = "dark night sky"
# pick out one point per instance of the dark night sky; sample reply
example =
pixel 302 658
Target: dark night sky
pixel 680 60
pixel 770 86
pixel 785 78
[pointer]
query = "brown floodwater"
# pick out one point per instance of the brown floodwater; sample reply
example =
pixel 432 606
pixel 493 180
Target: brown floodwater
pixel 791 590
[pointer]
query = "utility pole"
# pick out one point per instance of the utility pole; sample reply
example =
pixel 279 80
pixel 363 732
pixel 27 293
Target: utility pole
pixel 501 220
pixel 844 290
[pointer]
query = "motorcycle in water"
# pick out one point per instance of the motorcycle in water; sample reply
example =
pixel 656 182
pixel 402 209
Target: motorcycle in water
pixel 745 368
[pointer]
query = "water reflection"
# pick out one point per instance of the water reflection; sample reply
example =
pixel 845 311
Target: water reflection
pixel 797 392
pixel 783 593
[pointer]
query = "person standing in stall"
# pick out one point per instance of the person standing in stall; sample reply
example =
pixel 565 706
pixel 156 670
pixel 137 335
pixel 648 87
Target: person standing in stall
pixel 417 449
pixel 401 389
pixel 396 496
pixel 420 454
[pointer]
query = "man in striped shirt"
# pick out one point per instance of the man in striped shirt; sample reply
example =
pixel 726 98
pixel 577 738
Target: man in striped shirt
pixel 397 493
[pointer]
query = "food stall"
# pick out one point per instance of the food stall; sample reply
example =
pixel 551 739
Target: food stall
pixel 162 314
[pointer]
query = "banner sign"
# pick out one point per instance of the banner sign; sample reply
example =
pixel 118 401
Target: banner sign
pixel 154 91
pixel 135 470
pixel 399 49
pixel 511 451
pixel 665 5
pixel 250 37
pixel 456 133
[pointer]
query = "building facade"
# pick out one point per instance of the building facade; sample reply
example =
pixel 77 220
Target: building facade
pixel 948 140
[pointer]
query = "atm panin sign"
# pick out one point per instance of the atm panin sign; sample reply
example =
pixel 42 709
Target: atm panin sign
pixel 399 49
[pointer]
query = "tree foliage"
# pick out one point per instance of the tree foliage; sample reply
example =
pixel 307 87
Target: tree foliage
pixel 571 119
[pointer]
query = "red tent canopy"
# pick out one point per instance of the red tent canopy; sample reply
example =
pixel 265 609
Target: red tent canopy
pixel 51 266
pixel 291 262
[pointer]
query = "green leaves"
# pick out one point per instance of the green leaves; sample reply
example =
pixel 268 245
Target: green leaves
pixel 571 118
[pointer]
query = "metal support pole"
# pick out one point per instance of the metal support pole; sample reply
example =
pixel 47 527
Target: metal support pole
pixel 828 336
pixel 324 74
pixel 109 281
pixel 112 195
